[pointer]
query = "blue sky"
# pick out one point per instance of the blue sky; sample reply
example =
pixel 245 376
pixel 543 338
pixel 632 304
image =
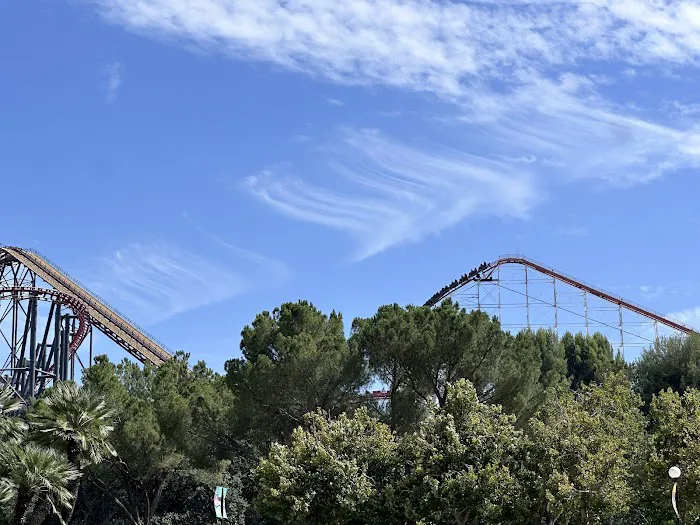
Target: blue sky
pixel 198 161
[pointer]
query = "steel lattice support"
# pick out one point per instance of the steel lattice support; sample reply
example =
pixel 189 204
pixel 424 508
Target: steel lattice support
pixel 35 331
pixel 45 316
pixel 525 294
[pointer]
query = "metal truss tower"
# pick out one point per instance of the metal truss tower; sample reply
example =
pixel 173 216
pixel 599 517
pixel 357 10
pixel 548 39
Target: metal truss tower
pixel 523 293
pixel 45 317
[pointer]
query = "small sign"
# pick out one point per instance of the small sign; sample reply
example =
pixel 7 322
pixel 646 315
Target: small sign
pixel 220 502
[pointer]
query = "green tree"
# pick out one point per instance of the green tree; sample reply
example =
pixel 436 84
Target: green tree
pixel 418 351
pixel 428 348
pixel 34 476
pixel 295 360
pixel 553 365
pixel 187 499
pixel 161 428
pixel 674 420
pixel 12 428
pixel 549 364
pixel 672 362
pixel 516 384
pixel 590 359
pixel 387 340
pixel 461 466
pixel 584 449
pixel 78 424
pixel 332 471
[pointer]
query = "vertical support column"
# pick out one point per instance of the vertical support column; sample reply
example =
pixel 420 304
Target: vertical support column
pixel 622 337
pixel 527 299
pixel 57 344
pixel 72 357
pixel 64 351
pixel 478 294
pixel 585 309
pixel 556 311
pixel 32 348
pixel 656 332
pixel 498 277
pixel 44 361
pixel 90 363
pixel 15 313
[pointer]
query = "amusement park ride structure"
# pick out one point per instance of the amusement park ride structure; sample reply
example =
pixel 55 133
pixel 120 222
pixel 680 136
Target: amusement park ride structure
pixel 526 294
pixel 46 316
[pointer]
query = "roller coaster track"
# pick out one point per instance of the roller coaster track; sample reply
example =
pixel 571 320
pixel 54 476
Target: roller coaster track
pixel 88 308
pixel 486 271
pixel 72 302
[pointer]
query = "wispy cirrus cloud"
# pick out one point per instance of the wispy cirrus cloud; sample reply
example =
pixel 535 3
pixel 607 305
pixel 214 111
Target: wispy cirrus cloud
pixel 517 73
pixel 267 268
pixel 112 81
pixel 395 193
pixel 435 46
pixel 563 123
pixel 157 281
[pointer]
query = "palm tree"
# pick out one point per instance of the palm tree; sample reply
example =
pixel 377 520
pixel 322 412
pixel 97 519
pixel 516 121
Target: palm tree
pixel 77 422
pixel 35 477
pixel 12 428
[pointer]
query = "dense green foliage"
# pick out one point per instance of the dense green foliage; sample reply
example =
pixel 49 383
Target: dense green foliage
pixel 480 426
pixel 295 360
pixel 671 363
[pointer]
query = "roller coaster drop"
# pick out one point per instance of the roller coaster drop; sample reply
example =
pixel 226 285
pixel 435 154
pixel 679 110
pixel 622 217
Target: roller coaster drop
pixel 45 316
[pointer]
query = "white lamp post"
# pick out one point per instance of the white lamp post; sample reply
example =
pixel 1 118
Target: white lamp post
pixel 674 473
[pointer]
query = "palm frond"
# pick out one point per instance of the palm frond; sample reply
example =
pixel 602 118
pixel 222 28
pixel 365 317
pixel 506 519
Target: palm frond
pixel 77 419
pixel 36 472
pixel 12 427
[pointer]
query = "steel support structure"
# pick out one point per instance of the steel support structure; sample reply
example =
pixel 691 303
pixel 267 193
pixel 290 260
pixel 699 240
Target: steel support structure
pixel 622 332
pixel 585 309
pixel 32 364
pixel 531 295
pixel 527 300
pixel 556 312
pixel 44 318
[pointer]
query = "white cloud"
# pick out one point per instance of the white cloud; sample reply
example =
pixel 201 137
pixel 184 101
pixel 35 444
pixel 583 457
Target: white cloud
pixel 515 72
pixel 652 292
pixel 158 281
pixel 545 134
pixel 683 109
pixel 395 193
pixel 567 125
pixel 690 317
pixel 113 81
pixel 335 102
pixel 423 44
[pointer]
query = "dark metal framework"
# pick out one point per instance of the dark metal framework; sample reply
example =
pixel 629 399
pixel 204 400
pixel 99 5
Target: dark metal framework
pixel 45 316
pixel 526 294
